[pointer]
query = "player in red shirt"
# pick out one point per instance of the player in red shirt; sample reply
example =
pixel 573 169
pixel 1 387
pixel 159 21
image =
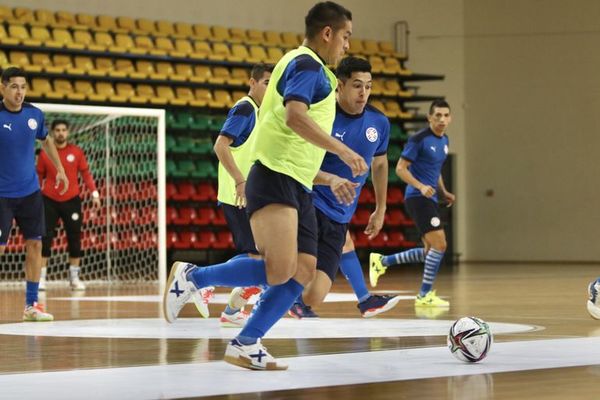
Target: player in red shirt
pixel 66 206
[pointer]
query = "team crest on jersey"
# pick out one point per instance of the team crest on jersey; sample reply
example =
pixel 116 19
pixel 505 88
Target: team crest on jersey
pixel 32 124
pixel 446 149
pixel 371 134
pixel 435 222
pixel 70 158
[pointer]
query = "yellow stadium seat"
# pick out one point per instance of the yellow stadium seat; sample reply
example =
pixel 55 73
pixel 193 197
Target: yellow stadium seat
pixel 127 91
pixel 221 34
pixel 165 44
pixel 220 75
pixel 103 67
pixel 66 19
pixel 185 94
pixel 84 63
pixel 165 28
pixel 274 38
pixel 239 53
pixel 370 47
pixel 5 38
pixel 24 15
pixel 42 60
pixel 222 99
pixel 238 35
pixel 184 70
pixel 127 24
pixel 124 67
pixel 6 14
pixel 182 48
pixel 377 87
pixel 202 50
pixel 203 95
pixel 147 67
pixel 104 39
pixel 386 48
pixel 393 108
pixel 377 104
pixel 393 88
pixel 274 54
pixel 64 61
pixel 86 88
pixel 202 32
pixel 377 64
pixel 45 17
pixel 63 37
pixel 356 47
pixel 237 94
pixel 202 73
pixel 41 33
pixel 254 36
pixel 44 87
pixel 106 89
pixel 21 59
pixel 86 20
pixel 166 92
pixel 19 32
pixel 288 39
pixel 146 92
pixel 84 38
pixel 145 42
pixel 3 60
pixel 239 76
pixel 184 29
pixel 257 54
pixel 147 27
pixel 109 23
pixel 392 66
pixel 65 88
pixel 166 69
pixel 220 52
pixel 124 43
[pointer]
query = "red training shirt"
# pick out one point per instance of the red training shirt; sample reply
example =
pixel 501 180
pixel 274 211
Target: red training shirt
pixel 73 161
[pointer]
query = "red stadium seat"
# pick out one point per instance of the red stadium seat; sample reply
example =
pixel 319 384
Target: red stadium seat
pixel 186 240
pixel 205 240
pixel 360 239
pixel 395 195
pixel 224 240
pixel 361 217
pixel 205 191
pixel 396 217
pixel 172 238
pixel 186 216
pixel 204 216
pixel 219 219
pixel 171 191
pixel 366 196
pixel 185 191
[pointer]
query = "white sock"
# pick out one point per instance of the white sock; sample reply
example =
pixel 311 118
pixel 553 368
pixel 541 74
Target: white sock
pixel 43 273
pixel 74 270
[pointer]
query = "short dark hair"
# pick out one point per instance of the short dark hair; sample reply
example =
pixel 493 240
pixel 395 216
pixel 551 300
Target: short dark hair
pixel 258 70
pixel 351 64
pixel 57 122
pixel 12 72
pixel 438 103
pixel 326 13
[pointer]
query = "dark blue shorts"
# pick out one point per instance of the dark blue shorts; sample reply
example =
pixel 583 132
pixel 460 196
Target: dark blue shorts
pixel 28 211
pixel 265 186
pixel 239 225
pixel 332 236
pixel 425 213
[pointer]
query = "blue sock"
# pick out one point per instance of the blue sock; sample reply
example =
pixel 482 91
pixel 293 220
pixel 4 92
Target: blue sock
pixel 274 303
pixel 31 293
pixel 416 255
pixel 350 266
pixel 432 264
pixel 239 271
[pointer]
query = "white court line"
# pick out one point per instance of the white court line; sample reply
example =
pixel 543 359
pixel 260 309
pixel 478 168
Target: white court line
pixel 219 378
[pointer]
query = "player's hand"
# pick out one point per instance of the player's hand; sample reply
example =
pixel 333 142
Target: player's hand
pixel 427 191
pixel 356 163
pixel 62 178
pixel 240 195
pixel 450 199
pixel 96 202
pixel 343 189
pixel 375 224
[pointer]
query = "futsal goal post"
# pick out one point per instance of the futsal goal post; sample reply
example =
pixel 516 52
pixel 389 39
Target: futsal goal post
pixel 123 240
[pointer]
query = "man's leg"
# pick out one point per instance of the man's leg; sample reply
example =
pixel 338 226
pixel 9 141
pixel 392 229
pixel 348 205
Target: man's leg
pixel 51 219
pixel 436 241
pixel 72 218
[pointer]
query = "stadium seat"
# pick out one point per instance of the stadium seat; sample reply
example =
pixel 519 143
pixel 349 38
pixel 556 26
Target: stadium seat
pixel 359 238
pixel 44 17
pixel 356 47
pixel 396 217
pixel 395 195
pixel 221 34
pixel 124 67
pixel 42 35
pixel 183 48
pixel 3 60
pixel 239 76
pixel 86 88
pixel 178 120
pixel 257 54
pixel 106 40
pixel 204 240
pixel 222 99
pixel 361 217
pixel 66 19
pixel 40 60
pixel 127 91
pixel 87 20
pixel 288 39
pixel 236 95
pixel 185 216
pixel 172 238
pixel 274 39
pixel 392 66
pixel 185 191
pixel 202 32
pixel 64 37
pixel 219 219
pixel 43 87
pixel 202 50
pixel 124 43
pixel 165 28
pixel 377 87
pixel 164 44
pixel 147 68
pixel 238 35
pixel 379 240
pixel 255 36
pixel 146 43
pixel 65 88
pixel 166 92
pixel 239 53
pixel 127 24
pixel 21 59
pixel 20 33
pixel 186 240
pixel 274 54
pixel 370 47
pixel 108 23
pixel 220 52
pixel 205 191
pixel 223 240
pixel 5 37
pixel 377 64
pixel 204 216
pixel 24 15
pixel 106 89
pixel 366 196
pixel 147 92
pixel 6 14
pixel 84 38
pixel 200 122
pixel 184 29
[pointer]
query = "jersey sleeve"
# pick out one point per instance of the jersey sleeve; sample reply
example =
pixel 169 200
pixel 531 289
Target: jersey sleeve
pixel 301 79
pixel 240 121
pixel 411 150
pixel 84 170
pixel 42 131
pixel 385 139
pixel 41 166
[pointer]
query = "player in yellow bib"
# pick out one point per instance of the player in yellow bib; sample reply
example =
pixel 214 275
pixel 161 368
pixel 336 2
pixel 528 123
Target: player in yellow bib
pixel 289 144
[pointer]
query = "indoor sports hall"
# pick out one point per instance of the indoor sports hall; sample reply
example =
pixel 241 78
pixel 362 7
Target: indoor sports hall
pixel 146 87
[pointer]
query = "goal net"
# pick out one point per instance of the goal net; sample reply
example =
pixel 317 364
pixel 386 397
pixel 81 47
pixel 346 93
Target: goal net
pixel 122 241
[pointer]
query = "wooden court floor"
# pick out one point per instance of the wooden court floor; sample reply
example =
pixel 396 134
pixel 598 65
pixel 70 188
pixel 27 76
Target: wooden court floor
pixel 550 298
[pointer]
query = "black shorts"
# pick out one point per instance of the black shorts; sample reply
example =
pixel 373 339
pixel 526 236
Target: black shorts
pixel 425 213
pixel 265 186
pixel 28 211
pixel 239 225
pixel 69 212
pixel 332 236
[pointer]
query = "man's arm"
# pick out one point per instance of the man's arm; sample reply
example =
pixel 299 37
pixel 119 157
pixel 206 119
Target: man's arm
pixel 343 189
pixel 449 197
pixel 225 157
pixel 50 149
pixel 298 120
pixel 379 175
pixel 404 174
pixel 88 179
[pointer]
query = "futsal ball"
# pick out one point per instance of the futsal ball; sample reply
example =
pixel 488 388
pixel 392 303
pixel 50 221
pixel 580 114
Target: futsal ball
pixel 470 339
pixel 593 304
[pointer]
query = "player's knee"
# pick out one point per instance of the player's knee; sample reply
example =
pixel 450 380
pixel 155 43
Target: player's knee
pixel 279 270
pixel 440 245
pixel 2 249
pixel 34 245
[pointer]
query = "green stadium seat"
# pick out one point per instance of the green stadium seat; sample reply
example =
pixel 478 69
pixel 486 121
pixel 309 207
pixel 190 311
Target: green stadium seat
pixel 200 122
pixel 185 168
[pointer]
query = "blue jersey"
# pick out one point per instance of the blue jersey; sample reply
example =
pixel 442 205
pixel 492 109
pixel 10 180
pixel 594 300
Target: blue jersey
pixel 304 80
pixel 427 152
pixel 18 131
pixel 368 135
pixel 239 123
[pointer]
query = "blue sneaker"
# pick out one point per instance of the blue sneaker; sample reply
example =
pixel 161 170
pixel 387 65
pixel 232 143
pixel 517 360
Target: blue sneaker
pixel 377 304
pixel 300 310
